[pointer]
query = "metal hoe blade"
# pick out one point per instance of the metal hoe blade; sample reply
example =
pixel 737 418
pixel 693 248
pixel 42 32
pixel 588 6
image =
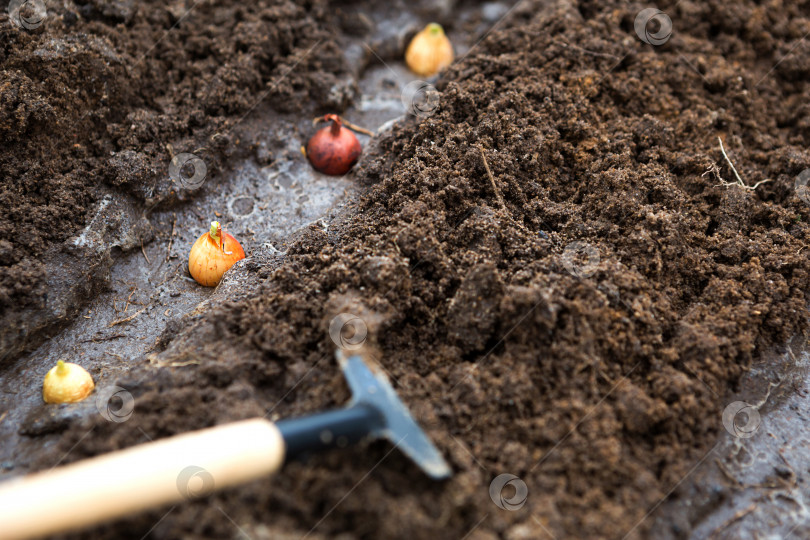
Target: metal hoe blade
pixel 400 428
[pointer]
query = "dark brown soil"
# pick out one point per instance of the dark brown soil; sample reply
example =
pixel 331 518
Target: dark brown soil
pixel 600 392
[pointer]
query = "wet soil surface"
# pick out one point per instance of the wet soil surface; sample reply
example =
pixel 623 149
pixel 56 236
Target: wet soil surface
pixel 753 481
pixel 554 264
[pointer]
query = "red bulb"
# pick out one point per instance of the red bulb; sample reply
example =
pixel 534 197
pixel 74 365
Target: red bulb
pixel 333 149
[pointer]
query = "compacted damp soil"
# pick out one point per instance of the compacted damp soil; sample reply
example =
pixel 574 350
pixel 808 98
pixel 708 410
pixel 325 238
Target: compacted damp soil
pixel 557 266
pixel 97 97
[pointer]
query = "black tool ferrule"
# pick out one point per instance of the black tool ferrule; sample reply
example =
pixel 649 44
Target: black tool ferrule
pixel 329 429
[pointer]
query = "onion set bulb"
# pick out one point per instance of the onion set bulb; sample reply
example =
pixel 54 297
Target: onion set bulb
pixel 429 51
pixel 334 149
pixel 66 383
pixel 212 255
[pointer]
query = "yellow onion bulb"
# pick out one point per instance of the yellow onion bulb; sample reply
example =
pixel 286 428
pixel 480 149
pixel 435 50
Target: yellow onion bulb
pixel 429 51
pixel 66 383
pixel 212 255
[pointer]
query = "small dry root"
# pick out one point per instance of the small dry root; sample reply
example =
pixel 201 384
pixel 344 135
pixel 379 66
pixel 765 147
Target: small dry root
pixel 715 170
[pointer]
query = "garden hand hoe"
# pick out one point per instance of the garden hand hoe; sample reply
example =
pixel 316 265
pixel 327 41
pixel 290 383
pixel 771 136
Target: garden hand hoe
pixel 159 472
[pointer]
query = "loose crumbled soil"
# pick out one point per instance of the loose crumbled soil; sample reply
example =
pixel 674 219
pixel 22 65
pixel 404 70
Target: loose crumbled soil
pixel 599 390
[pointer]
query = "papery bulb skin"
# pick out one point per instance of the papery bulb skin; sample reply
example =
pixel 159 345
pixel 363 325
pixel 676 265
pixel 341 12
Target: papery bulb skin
pixel 212 255
pixel 334 149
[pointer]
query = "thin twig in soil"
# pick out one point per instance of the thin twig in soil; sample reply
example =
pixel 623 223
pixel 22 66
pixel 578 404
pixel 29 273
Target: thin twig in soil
pixel 492 178
pixel 126 306
pixel 127 319
pixel 739 485
pixel 592 53
pixel 739 181
pixel 178 361
pixel 731 521
pixel 793 482
pixel 144 254
pixel 186 363
pixel 171 238
pixel 730 477
pixel 98 339
pixel 498 192
pixel 172 276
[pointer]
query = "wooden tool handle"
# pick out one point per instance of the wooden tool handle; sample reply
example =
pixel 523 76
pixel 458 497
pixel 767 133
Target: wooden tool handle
pixel 120 483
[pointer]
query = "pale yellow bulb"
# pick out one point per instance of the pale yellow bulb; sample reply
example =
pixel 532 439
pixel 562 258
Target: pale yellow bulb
pixel 66 383
pixel 429 51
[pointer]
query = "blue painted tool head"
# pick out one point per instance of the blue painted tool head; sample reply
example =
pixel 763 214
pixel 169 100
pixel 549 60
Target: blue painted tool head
pixel 374 390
